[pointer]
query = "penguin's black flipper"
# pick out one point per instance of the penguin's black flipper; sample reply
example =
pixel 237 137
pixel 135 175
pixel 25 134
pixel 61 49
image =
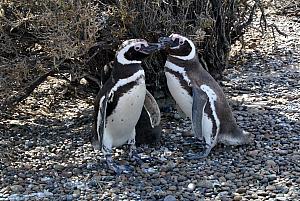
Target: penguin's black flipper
pixel 100 121
pixel 152 109
pixel 200 99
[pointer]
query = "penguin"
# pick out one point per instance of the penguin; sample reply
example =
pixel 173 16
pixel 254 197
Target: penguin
pixel 199 96
pixel 119 103
pixel 148 129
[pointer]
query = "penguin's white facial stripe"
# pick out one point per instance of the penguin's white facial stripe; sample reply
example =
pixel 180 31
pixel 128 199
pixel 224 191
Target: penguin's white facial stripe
pixel 174 36
pixel 121 57
pixel 127 45
pixel 191 55
pixel 212 97
pixel 122 82
pixel 178 69
pixel 181 42
pixel 182 39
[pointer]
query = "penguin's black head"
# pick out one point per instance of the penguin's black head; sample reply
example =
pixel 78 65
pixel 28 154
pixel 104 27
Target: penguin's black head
pixel 135 50
pixel 178 46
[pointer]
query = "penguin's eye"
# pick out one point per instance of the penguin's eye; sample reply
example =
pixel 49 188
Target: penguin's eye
pixel 137 48
pixel 181 42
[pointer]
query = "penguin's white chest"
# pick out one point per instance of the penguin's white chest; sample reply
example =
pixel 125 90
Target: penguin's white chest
pixel 185 102
pixel 181 96
pixel 120 126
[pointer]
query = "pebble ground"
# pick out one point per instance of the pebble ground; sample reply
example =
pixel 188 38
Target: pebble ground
pixel 45 153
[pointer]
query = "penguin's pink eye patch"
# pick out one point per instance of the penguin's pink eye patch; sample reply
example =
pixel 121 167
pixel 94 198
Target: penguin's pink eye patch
pixel 137 48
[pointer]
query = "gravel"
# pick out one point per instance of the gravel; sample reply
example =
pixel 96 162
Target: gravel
pixel 45 152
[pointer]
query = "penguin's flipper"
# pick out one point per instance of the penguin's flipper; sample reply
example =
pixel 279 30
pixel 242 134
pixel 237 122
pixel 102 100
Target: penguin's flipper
pixel 200 99
pixel 101 116
pixel 152 109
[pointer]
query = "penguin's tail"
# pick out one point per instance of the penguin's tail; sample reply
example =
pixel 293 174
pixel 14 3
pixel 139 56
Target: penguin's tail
pixel 237 137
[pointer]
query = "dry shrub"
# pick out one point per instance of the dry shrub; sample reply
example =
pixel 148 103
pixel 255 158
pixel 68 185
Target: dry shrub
pixel 212 24
pixel 39 36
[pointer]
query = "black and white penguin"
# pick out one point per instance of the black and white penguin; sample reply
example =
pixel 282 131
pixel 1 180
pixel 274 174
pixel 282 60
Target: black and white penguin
pixel 199 95
pixel 119 103
pixel 148 129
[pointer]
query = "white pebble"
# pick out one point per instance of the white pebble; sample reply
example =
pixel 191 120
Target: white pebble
pixel 191 187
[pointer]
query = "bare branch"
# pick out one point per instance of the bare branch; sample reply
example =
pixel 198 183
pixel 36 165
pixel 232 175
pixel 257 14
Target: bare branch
pixel 277 29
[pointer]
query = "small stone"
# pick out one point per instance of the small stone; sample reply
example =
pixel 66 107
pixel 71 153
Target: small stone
pixel 222 179
pixel 281 198
pixel 145 165
pixel 191 187
pixel 22 175
pixel 76 193
pixel 272 177
pixel 254 196
pixel 282 152
pixel 170 198
pixel 270 188
pixel 237 198
pixel 76 171
pixel 240 118
pixel 253 153
pixel 271 163
pixel 69 197
pixel 169 166
pixel 17 188
pixel 58 167
pixel 172 188
pixel 241 190
pixel 66 174
pixel 176 116
pixel 262 193
pixel 163 181
pixel 181 178
pixel 187 134
pixel 205 184
pixel 230 176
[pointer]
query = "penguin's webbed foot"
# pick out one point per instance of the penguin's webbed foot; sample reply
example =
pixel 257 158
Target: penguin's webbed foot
pixel 206 152
pixel 135 157
pixel 119 169
pixel 200 155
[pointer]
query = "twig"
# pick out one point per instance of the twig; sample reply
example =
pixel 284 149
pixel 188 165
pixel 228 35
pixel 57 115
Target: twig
pixel 277 29
pixel 239 29
pixel 263 21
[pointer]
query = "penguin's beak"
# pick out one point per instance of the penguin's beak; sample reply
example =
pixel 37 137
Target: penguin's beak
pixel 167 42
pixel 152 47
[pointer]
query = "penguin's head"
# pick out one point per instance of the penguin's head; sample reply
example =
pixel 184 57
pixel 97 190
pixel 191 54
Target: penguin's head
pixel 133 51
pixel 178 46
